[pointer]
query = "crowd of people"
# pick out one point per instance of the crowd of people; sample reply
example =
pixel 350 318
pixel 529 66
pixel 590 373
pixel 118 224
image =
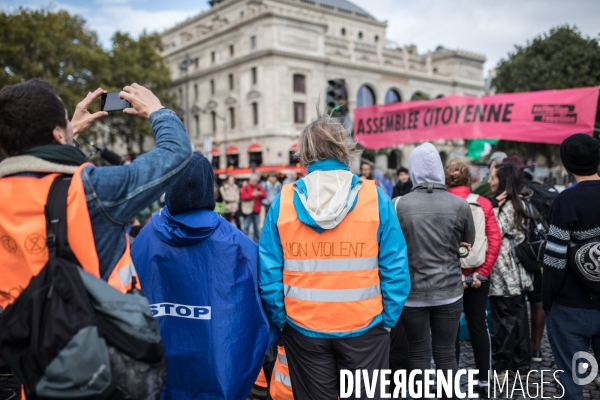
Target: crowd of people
pixel 342 276
pixel 246 204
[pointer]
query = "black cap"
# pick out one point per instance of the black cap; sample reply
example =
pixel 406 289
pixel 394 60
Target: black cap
pixel 195 188
pixel 580 154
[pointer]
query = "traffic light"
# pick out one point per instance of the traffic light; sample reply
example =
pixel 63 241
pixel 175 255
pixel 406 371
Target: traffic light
pixel 337 97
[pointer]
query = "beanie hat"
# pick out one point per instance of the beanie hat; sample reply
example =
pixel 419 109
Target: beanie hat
pixel 580 154
pixel 497 156
pixel 515 160
pixel 195 189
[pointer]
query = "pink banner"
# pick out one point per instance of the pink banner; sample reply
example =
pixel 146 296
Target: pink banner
pixel 543 117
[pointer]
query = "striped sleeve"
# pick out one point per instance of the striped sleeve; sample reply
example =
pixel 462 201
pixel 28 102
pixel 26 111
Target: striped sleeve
pixel 555 256
pixel 556 247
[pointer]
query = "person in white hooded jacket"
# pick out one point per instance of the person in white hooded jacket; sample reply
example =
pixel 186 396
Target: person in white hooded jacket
pixel 333 271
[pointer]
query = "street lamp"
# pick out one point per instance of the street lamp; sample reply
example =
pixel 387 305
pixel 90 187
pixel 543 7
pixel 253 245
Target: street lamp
pixel 183 67
pixel 219 116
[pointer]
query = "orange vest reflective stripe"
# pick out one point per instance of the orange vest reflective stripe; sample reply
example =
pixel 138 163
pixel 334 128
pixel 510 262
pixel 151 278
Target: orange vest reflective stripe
pixel 331 279
pixel 281 384
pixel 23 248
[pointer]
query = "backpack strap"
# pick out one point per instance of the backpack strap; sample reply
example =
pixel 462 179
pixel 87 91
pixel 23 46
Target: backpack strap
pixel 472 198
pixel 396 200
pixel 56 220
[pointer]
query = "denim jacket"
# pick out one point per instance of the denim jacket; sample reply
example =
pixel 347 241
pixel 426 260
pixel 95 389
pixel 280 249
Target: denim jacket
pixel 272 191
pixel 116 194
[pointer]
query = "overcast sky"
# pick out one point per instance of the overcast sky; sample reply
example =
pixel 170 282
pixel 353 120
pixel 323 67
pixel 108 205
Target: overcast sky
pixel 491 28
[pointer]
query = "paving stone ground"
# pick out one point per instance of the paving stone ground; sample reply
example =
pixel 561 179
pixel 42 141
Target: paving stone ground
pixel 551 388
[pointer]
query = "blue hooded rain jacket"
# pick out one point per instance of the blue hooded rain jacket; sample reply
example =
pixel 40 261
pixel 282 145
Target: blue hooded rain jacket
pixel 200 275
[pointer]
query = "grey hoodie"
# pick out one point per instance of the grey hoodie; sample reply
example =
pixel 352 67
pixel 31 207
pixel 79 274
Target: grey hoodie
pixel 434 222
pixel 425 165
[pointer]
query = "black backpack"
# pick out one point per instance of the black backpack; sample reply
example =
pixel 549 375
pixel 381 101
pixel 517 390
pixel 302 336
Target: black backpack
pixel 542 198
pixel 70 335
pixel 531 252
pixel 584 262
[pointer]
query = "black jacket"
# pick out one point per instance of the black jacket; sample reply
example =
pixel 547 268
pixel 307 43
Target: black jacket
pixel 401 189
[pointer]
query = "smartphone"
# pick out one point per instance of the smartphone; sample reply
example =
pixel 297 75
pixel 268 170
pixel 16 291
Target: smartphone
pixel 112 102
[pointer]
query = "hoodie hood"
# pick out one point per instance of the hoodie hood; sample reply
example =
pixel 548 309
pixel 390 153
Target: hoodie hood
pixel 185 229
pixel 327 194
pixel 425 165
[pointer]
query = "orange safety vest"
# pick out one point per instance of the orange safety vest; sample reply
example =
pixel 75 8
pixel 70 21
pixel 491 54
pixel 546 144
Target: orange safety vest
pixel 331 279
pixel 23 248
pixel 261 380
pixel 281 384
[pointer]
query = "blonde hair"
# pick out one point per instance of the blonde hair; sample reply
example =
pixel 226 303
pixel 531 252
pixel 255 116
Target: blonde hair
pixel 458 172
pixel 325 138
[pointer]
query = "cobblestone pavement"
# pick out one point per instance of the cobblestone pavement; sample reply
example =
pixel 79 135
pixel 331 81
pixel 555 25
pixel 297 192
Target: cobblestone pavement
pixel 551 389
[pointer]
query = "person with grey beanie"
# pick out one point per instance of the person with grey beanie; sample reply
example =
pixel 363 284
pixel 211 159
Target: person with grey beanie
pixel 435 224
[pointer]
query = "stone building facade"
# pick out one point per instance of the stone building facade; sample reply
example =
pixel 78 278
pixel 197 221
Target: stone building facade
pixel 249 73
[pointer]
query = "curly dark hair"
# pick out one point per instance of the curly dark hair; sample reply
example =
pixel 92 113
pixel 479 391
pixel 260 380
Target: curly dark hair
pixel 29 112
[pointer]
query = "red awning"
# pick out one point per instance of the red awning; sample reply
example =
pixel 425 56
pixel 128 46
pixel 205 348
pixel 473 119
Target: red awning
pixel 214 152
pixel 232 150
pixel 255 147
pixel 264 169
pixel 294 146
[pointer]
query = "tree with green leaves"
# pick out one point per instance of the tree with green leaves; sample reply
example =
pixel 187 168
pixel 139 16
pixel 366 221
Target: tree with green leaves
pixel 58 47
pixel 54 46
pixel 561 59
pixel 137 61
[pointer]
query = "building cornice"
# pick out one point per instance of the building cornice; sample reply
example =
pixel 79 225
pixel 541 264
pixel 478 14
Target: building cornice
pixel 219 7
pixel 327 61
pixel 467 55
pixel 268 14
pixel 335 12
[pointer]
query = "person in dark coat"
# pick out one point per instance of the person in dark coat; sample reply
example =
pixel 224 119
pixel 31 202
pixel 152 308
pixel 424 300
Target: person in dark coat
pixel 404 184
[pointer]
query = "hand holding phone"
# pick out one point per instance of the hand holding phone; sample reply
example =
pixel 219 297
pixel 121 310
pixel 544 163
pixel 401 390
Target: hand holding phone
pixel 82 118
pixel 112 102
pixel 143 101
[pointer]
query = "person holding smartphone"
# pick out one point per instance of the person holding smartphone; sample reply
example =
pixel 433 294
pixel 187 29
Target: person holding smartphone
pixel 39 140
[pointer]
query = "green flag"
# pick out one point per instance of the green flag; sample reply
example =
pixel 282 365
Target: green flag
pixel 478 148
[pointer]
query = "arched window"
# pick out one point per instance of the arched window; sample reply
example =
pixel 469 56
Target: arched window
pixel 365 97
pixel 444 157
pixel 419 96
pixel 376 38
pixel 439 96
pixel 360 35
pixel 343 31
pixel 393 160
pixel 392 96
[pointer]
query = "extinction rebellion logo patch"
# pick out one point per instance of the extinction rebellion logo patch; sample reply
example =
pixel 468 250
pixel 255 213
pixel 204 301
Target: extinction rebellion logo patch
pixel 554 113
pixel 588 261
